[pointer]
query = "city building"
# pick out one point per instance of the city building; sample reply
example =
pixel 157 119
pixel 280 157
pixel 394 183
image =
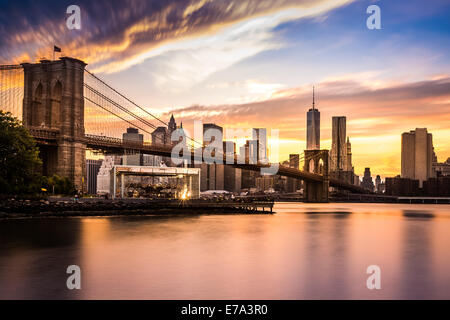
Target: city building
pixel 260 136
pixel 293 185
pixel 377 184
pixel 437 187
pixel 160 136
pixel 132 158
pixel 133 135
pixel 338 150
pixel 92 169
pixel 172 127
pixel 341 166
pixel 265 183
pixel 417 155
pixel 367 182
pixel 209 134
pixel 313 127
pixel 442 169
pixel 211 176
pixel 402 187
pixel 232 179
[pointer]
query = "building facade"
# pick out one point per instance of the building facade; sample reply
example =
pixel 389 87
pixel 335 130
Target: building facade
pixel 260 136
pixel 313 127
pixel 338 150
pixel 417 155
pixel 367 182
pixel 92 169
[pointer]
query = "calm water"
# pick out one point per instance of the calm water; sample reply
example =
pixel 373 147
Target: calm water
pixel 303 252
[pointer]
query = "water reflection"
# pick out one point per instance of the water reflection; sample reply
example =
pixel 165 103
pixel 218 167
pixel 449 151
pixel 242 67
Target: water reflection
pixel 417 261
pixel 302 252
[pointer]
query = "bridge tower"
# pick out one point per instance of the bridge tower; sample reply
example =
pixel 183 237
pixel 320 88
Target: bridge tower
pixel 316 161
pixel 54 103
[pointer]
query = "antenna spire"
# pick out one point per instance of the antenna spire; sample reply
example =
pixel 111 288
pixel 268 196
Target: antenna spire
pixel 314 98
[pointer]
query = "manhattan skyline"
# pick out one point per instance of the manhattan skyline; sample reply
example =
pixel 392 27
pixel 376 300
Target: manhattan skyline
pixel 237 67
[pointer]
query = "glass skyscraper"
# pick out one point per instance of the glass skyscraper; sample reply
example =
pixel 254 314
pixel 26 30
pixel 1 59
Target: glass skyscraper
pixel 313 127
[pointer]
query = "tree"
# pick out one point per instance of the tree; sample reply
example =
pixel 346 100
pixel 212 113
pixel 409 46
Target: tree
pixel 19 158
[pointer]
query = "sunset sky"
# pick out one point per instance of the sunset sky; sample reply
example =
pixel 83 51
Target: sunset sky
pixel 252 63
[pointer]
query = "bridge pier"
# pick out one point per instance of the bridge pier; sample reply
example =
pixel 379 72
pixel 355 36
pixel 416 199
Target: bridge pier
pixel 54 103
pixel 316 161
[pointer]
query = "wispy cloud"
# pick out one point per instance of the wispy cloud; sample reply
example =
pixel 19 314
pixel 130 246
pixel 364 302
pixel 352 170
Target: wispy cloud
pixel 118 34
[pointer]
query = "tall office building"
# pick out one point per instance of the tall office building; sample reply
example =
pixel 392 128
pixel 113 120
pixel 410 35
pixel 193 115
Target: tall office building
pixel 92 169
pixel 313 127
pixel 367 182
pixel 211 126
pixel 132 158
pixel 417 155
pixel 133 135
pixel 260 136
pixel 338 153
pixel 292 185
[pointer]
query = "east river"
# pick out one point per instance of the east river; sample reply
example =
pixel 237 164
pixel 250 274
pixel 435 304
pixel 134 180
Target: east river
pixel 304 251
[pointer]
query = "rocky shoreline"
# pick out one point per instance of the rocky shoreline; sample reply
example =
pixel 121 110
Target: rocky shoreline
pixel 45 208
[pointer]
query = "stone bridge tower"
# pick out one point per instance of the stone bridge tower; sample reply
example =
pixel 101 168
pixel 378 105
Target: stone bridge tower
pixel 54 106
pixel 316 161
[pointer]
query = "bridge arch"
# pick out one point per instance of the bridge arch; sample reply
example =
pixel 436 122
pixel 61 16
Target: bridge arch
pixel 316 161
pixel 56 99
pixel 37 112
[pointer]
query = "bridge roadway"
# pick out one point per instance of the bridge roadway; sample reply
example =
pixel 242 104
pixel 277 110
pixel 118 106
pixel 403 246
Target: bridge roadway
pixel 115 145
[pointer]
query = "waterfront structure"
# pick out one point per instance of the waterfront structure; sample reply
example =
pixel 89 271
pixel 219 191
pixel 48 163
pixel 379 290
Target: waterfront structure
pixel 260 136
pixel 417 155
pixel 92 169
pixel 367 182
pixel 313 127
pixel 178 183
pixel 103 177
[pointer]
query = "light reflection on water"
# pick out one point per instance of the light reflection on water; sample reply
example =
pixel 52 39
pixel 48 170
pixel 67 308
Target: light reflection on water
pixel 305 251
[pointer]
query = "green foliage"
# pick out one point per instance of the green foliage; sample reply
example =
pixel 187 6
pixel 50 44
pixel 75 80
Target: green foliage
pixel 19 158
pixel 58 185
pixel 20 165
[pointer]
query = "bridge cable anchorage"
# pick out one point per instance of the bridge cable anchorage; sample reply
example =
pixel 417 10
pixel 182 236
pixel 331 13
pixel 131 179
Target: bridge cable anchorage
pixel 135 104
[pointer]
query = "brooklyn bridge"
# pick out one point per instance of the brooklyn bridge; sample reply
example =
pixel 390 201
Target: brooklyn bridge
pixel 69 110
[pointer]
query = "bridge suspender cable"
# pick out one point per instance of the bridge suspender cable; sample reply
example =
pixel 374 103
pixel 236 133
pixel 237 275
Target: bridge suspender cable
pixel 98 105
pixel 120 107
pixel 132 102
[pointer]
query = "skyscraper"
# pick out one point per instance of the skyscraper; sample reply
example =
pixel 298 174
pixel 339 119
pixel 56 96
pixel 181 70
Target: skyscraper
pixel 367 182
pixel 338 153
pixel 260 136
pixel 417 155
pixel 313 127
